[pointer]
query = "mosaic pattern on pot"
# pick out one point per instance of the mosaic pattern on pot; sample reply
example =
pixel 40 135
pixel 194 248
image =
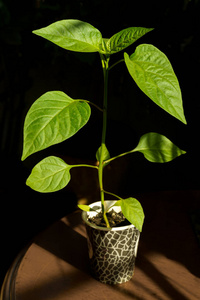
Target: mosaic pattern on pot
pixel 112 254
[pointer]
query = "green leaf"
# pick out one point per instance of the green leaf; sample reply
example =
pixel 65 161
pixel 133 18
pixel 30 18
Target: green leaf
pixel 72 35
pixel 53 118
pixel 133 211
pixel 50 175
pixel 158 148
pixel 104 48
pixel 106 154
pixel 85 207
pixel 154 75
pixel 125 38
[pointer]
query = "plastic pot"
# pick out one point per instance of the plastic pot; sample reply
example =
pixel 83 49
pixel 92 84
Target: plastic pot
pixel 112 252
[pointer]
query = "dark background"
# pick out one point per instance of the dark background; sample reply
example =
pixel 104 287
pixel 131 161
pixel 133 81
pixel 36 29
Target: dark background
pixel 31 66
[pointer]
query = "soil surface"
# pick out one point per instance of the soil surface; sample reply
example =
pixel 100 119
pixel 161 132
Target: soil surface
pixel 115 219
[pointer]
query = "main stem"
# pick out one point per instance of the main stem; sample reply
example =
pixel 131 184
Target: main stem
pixel 105 66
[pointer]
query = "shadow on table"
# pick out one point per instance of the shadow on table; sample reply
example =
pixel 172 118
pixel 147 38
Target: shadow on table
pixel 161 281
pixel 67 244
pixel 168 229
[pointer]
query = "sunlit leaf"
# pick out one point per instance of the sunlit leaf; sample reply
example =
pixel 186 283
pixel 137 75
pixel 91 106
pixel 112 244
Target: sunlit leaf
pixel 125 38
pixel 154 75
pixel 158 148
pixel 85 207
pixel 49 175
pixel 53 118
pixel 133 211
pixel 72 35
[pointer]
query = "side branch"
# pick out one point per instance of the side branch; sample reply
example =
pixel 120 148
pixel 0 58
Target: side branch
pixel 118 156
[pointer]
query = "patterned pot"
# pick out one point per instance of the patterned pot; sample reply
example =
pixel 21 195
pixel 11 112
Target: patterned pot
pixel 112 252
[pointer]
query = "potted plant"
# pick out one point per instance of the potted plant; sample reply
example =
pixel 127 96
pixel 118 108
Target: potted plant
pixel 55 117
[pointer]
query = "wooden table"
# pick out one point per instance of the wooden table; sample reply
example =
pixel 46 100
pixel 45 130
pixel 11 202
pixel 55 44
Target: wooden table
pixel 55 265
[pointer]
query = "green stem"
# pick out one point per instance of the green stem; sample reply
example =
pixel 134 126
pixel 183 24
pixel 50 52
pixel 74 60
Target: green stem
pixel 105 63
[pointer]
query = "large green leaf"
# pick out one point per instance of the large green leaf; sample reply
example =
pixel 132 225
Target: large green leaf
pixel 133 211
pixel 50 175
pixel 125 38
pixel 157 148
pixel 72 35
pixel 154 75
pixel 53 118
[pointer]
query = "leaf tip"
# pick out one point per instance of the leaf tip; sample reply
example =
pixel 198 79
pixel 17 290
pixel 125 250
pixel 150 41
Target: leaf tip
pixel 23 157
pixel 35 31
pixel 184 121
pixel 183 152
pixel 182 118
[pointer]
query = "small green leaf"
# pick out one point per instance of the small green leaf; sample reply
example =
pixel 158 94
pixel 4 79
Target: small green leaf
pixel 106 154
pixel 133 211
pixel 104 48
pixel 85 207
pixel 125 38
pixel 72 35
pixel 49 175
pixel 154 75
pixel 158 148
pixel 53 118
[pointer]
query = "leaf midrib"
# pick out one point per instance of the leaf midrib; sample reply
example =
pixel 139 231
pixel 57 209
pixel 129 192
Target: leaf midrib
pixel 72 40
pixel 154 73
pixel 46 124
pixel 64 169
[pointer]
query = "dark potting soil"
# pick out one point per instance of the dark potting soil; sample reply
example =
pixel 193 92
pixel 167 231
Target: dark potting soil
pixel 115 219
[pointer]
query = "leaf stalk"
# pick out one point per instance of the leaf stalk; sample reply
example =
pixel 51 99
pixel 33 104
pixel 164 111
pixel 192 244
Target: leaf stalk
pixel 118 156
pixel 84 165
pixel 112 194
pixel 115 64
pixel 91 103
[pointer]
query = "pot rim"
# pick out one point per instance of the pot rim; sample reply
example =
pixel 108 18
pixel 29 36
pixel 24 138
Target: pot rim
pixel 86 215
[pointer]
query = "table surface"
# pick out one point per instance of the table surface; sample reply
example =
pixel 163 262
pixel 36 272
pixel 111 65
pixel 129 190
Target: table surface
pixel 55 265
